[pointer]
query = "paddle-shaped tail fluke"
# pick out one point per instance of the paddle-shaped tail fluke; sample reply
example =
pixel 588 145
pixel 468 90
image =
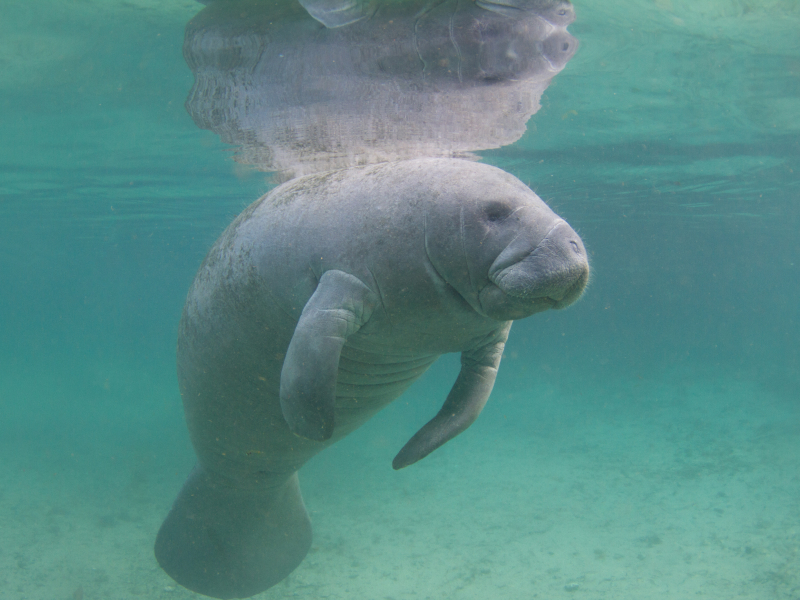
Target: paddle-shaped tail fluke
pixel 228 541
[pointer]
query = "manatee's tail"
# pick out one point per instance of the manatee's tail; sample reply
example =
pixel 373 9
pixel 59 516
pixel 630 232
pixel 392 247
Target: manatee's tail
pixel 227 542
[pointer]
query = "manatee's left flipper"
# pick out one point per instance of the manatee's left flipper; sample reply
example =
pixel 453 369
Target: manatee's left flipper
pixel 464 402
pixel 338 308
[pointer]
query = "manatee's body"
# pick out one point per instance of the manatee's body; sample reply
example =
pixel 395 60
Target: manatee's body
pixel 319 305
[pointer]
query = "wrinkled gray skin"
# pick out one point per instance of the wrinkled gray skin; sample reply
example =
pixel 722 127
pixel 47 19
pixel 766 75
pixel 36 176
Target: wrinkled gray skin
pixel 320 304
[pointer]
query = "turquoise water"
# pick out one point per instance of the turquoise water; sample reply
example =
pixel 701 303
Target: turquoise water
pixel 643 443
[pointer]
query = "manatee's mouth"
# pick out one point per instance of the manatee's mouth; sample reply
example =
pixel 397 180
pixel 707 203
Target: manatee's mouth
pixel 508 303
pixel 562 289
pixel 552 275
pixel 497 304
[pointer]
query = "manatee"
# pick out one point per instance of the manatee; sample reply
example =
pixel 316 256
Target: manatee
pixel 319 305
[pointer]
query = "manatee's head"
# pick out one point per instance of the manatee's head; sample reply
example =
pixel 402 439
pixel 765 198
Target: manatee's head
pixel 535 272
pixel 503 249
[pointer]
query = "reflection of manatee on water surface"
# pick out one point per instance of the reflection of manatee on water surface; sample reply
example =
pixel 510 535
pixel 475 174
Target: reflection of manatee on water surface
pixel 338 13
pixel 319 305
pixel 414 78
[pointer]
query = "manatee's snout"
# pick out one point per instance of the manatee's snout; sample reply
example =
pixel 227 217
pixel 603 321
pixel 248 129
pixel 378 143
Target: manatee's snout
pixel 554 273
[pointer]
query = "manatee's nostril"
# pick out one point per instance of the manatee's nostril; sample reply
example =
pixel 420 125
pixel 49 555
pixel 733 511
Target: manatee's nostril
pixel 575 246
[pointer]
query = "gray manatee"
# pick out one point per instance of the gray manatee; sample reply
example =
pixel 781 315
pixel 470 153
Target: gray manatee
pixel 319 305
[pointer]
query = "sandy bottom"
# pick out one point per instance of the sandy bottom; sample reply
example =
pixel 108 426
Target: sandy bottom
pixel 670 486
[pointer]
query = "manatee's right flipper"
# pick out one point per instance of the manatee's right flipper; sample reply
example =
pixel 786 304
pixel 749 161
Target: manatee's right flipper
pixel 228 542
pixel 465 401
pixel 337 309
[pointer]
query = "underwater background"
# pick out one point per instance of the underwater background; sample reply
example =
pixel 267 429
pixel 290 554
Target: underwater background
pixel 644 443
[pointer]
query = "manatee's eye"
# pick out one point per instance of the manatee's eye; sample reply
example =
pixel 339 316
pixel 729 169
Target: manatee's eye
pixel 497 211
